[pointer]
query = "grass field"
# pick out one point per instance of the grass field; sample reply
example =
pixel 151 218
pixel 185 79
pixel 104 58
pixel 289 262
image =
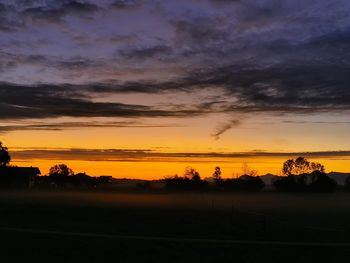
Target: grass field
pixel 182 227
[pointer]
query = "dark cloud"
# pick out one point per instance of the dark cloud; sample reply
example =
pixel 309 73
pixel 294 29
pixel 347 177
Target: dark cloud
pixel 59 9
pixel 63 7
pixel 76 63
pixel 78 125
pixel 146 52
pixel 199 29
pixel 81 154
pixel 293 88
pixel 290 88
pixel 267 56
pixel 126 4
pixel 8 22
pixel 225 1
pixel 149 155
pixel 123 38
pixel 206 38
pixel 4 23
pixel 45 101
pixel 13 15
pixel 135 87
pixel 316 122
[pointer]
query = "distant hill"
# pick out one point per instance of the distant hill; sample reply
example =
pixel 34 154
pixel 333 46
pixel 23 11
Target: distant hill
pixel 268 179
pixel 126 183
pixel 336 176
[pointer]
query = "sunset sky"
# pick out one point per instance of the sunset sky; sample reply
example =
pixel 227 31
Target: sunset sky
pixel 143 88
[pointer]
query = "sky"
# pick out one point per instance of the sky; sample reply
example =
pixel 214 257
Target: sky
pixel 142 89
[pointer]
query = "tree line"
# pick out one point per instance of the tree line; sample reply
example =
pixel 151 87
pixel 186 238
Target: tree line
pixel 299 175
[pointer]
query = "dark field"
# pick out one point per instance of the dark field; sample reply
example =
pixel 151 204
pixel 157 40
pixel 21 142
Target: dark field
pixel 131 227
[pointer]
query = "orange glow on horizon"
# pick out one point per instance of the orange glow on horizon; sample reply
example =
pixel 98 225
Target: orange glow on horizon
pixel 192 135
pixel 231 167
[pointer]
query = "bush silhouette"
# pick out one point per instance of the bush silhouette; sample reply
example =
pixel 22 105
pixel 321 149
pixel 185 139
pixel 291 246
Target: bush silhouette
pixel 291 183
pixel 190 181
pixel 347 183
pixel 321 182
pixel 245 183
pixel 314 182
pixel 183 183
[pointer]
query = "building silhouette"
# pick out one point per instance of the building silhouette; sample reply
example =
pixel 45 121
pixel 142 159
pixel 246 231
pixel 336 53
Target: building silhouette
pixel 18 177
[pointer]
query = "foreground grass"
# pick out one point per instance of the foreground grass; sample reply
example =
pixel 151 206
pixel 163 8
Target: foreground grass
pixel 263 216
pixel 41 248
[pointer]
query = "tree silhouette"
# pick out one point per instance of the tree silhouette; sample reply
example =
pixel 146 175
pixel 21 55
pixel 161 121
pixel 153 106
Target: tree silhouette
pixel 317 167
pixel 61 170
pixel 192 174
pixel 303 175
pixel 5 157
pixel 300 166
pixel 217 173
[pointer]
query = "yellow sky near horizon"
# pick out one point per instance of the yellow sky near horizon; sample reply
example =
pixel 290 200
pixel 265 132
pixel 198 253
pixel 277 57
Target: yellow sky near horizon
pixel 287 134
pixel 260 133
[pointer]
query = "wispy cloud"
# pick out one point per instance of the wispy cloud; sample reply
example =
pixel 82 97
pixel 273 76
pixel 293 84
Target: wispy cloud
pixel 224 127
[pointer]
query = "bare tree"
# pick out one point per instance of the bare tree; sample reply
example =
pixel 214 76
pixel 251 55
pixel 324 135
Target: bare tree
pixel 248 171
pixel 192 174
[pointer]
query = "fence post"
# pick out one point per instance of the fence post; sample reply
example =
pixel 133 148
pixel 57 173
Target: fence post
pixel 264 226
